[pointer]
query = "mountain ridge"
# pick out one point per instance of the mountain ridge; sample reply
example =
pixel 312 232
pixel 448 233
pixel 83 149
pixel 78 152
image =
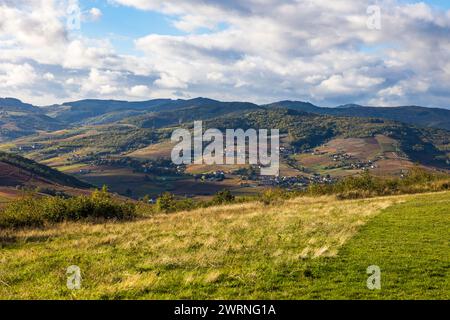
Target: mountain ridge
pixel 415 115
pixel 18 119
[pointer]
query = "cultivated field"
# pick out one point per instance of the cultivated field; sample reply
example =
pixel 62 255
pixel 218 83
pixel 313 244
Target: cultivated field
pixel 382 152
pixel 297 249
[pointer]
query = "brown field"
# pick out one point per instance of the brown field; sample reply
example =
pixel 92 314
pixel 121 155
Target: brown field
pixel 391 166
pixel 313 161
pixel 387 144
pixel 117 179
pixel 205 168
pixel 120 180
pixel 382 150
pixel 207 188
pixel 8 194
pixel 13 176
pixel 361 149
pixel 154 151
pixel 288 171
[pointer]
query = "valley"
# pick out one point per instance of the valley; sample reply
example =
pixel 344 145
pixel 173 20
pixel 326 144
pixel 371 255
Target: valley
pixel 130 153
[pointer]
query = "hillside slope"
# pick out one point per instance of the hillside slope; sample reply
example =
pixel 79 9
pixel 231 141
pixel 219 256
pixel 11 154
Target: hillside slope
pixel 119 155
pixel 420 116
pixel 158 112
pixel 19 119
pixel 19 171
pixel 316 248
pixel 308 130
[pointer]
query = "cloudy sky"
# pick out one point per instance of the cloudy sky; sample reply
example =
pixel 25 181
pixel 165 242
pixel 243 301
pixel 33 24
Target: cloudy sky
pixel 377 52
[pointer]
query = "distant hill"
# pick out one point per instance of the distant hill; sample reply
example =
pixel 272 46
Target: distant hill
pixel 160 111
pixel 190 110
pixel 19 119
pixel 421 116
pixel 164 112
pixel 308 130
pixel 12 104
pixel 18 171
pixel 312 144
pixel 83 110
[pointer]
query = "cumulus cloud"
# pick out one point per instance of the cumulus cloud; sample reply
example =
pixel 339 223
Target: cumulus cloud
pixel 15 75
pixel 140 91
pixel 242 50
pixel 95 14
pixel 49 76
pixel 101 82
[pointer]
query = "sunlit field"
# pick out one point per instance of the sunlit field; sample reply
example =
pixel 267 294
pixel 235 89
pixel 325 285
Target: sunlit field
pixel 294 249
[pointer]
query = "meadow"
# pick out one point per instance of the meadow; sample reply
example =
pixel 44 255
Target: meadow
pixel 300 248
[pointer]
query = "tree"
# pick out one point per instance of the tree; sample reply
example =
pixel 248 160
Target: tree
pixel 166 202
pixel 223 196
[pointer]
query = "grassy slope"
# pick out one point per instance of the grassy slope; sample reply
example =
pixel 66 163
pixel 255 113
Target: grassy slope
pixel 409 242
pixel 308 248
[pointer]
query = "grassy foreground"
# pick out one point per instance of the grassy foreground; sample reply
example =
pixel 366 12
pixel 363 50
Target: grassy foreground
pixel 299 249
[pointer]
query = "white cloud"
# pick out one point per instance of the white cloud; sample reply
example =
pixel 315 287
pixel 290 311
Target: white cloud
pixel 101 82
pixel 140 91
pixel 15 75
pixel 49 76
pixel 347 83
pixel 167 81
pixel 95 14
pixel 107 89
pixel 396 90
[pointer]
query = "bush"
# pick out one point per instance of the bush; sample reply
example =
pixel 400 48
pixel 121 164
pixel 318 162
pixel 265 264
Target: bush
pixel 166 203
pixel 273 196
pixel 37 211
pixel 365 185
pixel 223 197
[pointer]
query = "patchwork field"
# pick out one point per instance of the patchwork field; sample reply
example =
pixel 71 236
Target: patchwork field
pixel 125 181
pixel 380 155
pixel 154 151
pixel 74 151
pixel 361 149
pixel 299 249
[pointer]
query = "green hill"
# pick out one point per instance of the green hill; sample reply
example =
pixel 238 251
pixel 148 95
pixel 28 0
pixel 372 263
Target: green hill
pixel 19 119
pixel 307 130
pixel 19 171
pixel 304 248
pixel 420 116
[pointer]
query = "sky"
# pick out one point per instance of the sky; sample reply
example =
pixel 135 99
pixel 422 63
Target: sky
pixel 370 52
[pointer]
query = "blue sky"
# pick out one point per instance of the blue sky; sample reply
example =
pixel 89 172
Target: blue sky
pixel 324 52
pixel 438 3
pixel 132 23
pixel 123 24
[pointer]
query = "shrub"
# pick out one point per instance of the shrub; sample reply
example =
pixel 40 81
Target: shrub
pixel 223 197
pixel 37 211
pixel 272 196
pixel 166 203
pixel 365 185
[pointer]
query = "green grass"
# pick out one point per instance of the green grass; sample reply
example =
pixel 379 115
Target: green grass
pixel 410 244
pixel 71 167
pixel 34 211
pixel 300 249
